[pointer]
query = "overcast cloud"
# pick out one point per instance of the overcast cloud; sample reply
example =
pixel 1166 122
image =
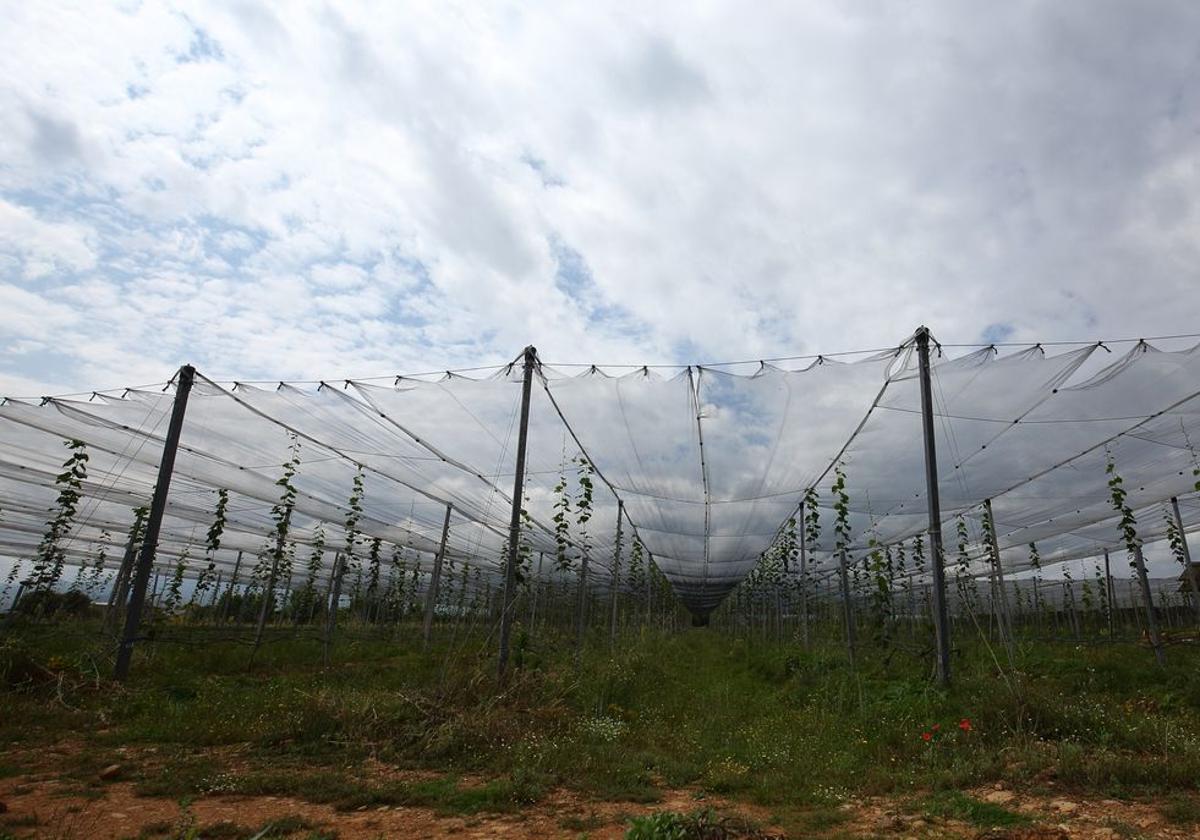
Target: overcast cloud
pixel 271 190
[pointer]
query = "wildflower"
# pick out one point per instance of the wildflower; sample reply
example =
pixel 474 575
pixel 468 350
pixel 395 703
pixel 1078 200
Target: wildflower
pixel 936 727
pixel 965 725
pixel 926 736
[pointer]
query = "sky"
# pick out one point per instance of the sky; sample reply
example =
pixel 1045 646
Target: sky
pixel 322 191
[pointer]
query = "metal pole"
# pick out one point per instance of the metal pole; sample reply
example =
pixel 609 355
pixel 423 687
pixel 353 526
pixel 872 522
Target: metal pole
pixel 514 530
pixel 133 617
pixel 1187 559
pixel 941 624
pixel 1139 562
pixel 616 574
pixel 435 579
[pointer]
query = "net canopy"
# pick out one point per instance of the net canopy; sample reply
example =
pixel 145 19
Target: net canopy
pixel 707 466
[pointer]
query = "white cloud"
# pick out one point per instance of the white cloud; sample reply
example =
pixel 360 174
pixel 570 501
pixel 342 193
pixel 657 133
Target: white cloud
pixel 268 190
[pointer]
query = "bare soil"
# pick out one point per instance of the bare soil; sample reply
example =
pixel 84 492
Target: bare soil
pixel 42 803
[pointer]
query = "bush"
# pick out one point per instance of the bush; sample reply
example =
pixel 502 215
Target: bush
pixel 46 603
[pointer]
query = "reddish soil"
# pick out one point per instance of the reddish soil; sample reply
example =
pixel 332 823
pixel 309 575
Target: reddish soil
pixel 43 803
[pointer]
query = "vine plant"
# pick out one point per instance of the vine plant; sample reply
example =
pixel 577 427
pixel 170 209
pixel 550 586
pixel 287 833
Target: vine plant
pixel 51 555
pixel 212 544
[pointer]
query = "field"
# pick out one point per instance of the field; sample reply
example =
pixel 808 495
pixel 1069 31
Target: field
pixel 697 733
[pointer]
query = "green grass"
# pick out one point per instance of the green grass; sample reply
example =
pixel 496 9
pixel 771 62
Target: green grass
pixel 763 722
pixel 955 805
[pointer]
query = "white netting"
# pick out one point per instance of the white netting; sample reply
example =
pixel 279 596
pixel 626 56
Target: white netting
pixel 710 465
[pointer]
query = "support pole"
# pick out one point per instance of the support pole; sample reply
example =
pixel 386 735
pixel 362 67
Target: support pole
pixel 120 586
pixel 233 579
pixel 581 606
pixel 1003 615
pixel 1108 595
pixel 434 581
pixel 803 579
pixel 133 617
pixel 937 560
pixel 535 591
pixel 514 530
pixel 847 612
pixel 1139 563
pixel 1187 559
pixel 335 599
pixel 616 575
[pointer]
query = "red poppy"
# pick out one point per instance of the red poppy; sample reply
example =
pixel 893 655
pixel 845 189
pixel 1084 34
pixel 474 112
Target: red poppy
pixel 926 736
pixel 936 727
pixel 965 725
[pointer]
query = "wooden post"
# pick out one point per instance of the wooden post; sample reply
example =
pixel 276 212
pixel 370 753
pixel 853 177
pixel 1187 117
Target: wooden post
pixel 1139 562
pixel 233 579
pixel 335 598
pixel 514 531
pixel 434 581
pixel 1187 560
pixel 937 558
pixel 158 505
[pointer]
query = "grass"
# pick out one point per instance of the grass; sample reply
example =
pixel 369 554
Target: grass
pixel 762 722
pixel 955 805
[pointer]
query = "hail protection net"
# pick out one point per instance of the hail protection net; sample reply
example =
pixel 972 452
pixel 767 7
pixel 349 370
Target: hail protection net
pixel 711 467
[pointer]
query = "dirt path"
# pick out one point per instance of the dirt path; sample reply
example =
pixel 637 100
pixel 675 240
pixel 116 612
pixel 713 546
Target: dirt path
pixel 45 805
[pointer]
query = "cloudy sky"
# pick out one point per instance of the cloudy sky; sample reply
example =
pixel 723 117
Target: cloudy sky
pixel 286 191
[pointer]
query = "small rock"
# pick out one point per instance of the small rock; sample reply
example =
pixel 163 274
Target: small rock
pixel 383 808
pixel 918 824
pixel 998 786
pixel 1064 807
pixel 999 797
pixel 1145 822
pixel 1107 834
pixel 117 815
pixel 111 772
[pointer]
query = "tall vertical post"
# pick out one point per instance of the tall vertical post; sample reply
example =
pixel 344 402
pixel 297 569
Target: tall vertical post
pixel 434 580
pixel 535 591
pixel 847 611
pixel 1004 619
pixel 514 530
pixel 1108 594
pixel 233 579
pixel 1139 564
pixel 937 558
pixel 581 605
pixel 335 600
pixel 803 579
pixel 616 574
pixel 1187 559
pixel 133 616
